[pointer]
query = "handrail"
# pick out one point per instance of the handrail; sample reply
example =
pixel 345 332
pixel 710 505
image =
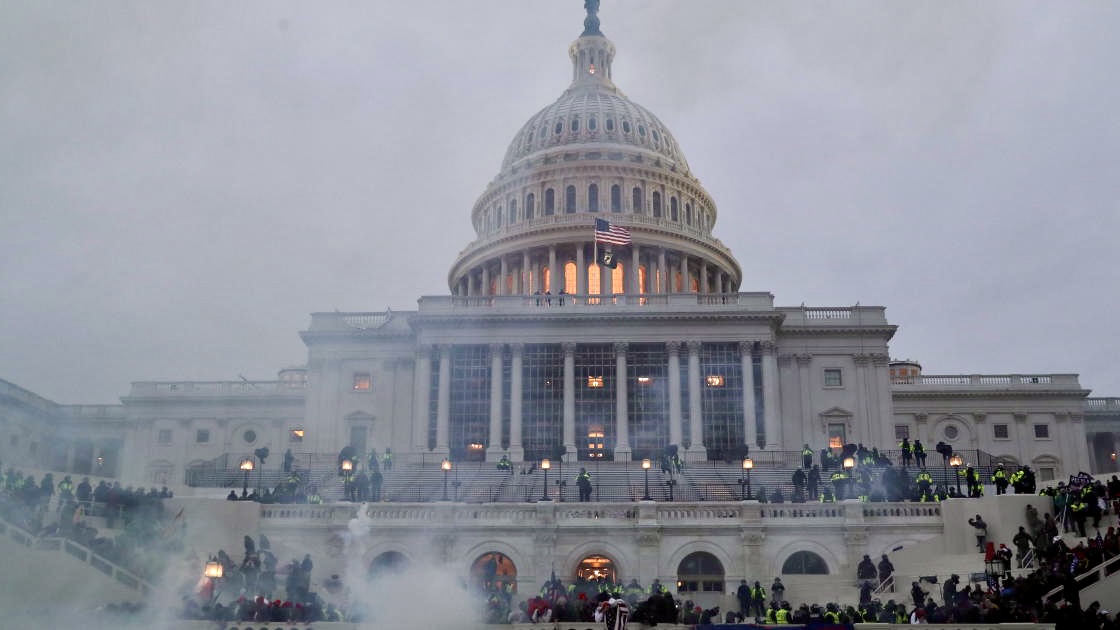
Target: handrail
pixel 885 586
pixel 1097 574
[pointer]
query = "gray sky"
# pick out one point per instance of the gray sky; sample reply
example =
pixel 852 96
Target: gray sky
pixel 182 183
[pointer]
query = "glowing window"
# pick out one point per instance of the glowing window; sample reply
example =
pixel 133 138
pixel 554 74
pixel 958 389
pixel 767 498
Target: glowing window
pixel 362 382
pixel 714 380
pixel 644 380
pixel 595 381
pixel 570 277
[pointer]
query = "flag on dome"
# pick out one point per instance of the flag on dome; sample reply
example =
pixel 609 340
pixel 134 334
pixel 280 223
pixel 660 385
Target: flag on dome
pixel 611 234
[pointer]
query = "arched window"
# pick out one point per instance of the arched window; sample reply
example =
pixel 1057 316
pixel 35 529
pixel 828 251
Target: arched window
pixel 610 124
pixel 805 563
pixel 570 271
pixel 700 572
pixel 626 126
pixel 494 573
pixel 530 206
pixel 575 125
pixel 638 201
pixel 597 568
pixel 512 211
pixel 570 199
pixel 688 213
pixel 593 198
pixel 656 204
pixel 592 124
pixel 616 198
pixel 549 202
pixel 674 213
pixel 559 128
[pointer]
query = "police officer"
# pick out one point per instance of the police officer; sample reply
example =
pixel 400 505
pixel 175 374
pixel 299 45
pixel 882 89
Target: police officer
pixel 1000 479
pixel 806 456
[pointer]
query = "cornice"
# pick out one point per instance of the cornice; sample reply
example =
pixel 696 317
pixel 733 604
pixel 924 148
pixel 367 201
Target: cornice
pixel 990 393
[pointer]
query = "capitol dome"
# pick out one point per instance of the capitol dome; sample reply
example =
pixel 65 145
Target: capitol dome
pixel 594 154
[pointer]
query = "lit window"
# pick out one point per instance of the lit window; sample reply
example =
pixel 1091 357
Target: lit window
pixel 1042 431
pixel 595 440
pixel 833 377
pixel 1001 431
pixel 595 381
pixel 202 436
pixel 362 382
pixel 591 69
pixel 714 380
pixel 644 380
pixel 296 435
pixel 164 436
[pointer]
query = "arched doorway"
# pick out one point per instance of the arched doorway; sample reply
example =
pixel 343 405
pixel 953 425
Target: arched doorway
pixel 494 572
pixel 700 572
pixel 597 569
pixel 388 563
pixel 805 563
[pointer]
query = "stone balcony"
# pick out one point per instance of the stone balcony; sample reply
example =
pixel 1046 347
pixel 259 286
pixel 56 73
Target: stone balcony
pixel 181 389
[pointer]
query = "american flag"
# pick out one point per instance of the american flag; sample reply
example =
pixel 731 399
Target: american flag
pixel 611 234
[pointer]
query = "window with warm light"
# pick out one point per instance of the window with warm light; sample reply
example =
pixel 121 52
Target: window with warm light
pixel 714 380
pixel 644 380
pixel 362 382
pixel 594 381
pixel 295 435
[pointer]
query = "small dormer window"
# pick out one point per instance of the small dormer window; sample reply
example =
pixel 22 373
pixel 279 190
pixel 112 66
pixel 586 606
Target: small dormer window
pixel 626 126
pixel 559 128
pixel 641 131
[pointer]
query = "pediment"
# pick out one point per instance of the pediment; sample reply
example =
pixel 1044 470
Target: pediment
pixel 836 413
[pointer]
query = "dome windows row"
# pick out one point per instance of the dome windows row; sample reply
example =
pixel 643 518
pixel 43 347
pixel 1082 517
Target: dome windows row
pixel 555 133
pixel 573 201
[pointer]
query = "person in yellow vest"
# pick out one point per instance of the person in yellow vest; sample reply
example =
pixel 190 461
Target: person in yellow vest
pixel 832 613
pixel 806 456
pixel 781 616
pixel 1000 479
pixel 839 481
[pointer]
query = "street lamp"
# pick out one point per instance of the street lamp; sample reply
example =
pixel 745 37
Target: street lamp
pixel 545 465
pixel 848 464
pixel 745 481
pixel 347 466
pixel 212 571
pixel 955 461
pixel 445 465
pixel 646 466
pixel 247 466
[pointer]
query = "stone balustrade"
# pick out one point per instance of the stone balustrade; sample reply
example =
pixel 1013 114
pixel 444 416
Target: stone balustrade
pixel 990 380
pixel 147 389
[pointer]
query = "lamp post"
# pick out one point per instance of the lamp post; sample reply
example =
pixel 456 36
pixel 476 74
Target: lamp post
pixel 247 466
pixel 445 465
pixel 545 465
pixel 955 461
pixel 745 480
pixel 646 464
pixel 347 466
pixel 849 464
pixel 213 571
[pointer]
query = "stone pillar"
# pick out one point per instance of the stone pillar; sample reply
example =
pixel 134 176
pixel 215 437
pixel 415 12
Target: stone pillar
pixel 504 271
pixel 805 405
pixel 526 283
pixel 569 396
pixel 704 276
pixel 422 377
pixel 662 272
pixel 632 274
pixel 494 440
pixel 771 403
pixel 605 284
pixel 443 401
pixel 581 270
pixel 517 452
pixel 470 283
pixel 622 415
pixel 750 420
pixel 485 280
pixel 695 409
pixel 675 425
pixel 553 286
pixel 686 286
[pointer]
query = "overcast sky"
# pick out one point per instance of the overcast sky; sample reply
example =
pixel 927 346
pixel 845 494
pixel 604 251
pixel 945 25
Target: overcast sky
pixel 183 183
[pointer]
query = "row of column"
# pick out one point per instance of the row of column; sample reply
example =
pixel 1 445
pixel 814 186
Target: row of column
pixel 527 272
pixel 771 438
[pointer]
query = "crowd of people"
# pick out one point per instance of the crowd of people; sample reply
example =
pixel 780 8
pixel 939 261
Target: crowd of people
pixel 138 533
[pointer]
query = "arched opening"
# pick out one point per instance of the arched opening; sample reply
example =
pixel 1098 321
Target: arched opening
pixel 494 572
pixel 616 198
pixel 569 277
pixel 656 204
pixel 570 199
pixel 593 198
pixel 805 563
pixel 597 568
pixel 530 206
pixel 674 211
pixel 388 564
pixel 700 572
pixel 549 202
pixel 638 201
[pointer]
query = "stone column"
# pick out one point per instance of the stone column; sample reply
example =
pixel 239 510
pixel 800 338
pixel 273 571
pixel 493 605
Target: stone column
pixel 581 270
pixel 686 286
pixel 485 280
pixel 504 271
pixel 605 285
pixel 863 433
pixel 517 452
pixel 632 275
pixel 470 283
pixel 494 440
pixel 622 415
pixel 553 286
pixel 525 284
pixel 569 396
pixel 662 272
pixel 422 377
pixel 675 428
pixel 703 276
pixel 443 401
pixel 771 403
pixel 695 409
pixel 805 407
pixel 750 420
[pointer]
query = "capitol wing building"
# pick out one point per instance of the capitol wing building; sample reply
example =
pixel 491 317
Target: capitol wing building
pixel 595 321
